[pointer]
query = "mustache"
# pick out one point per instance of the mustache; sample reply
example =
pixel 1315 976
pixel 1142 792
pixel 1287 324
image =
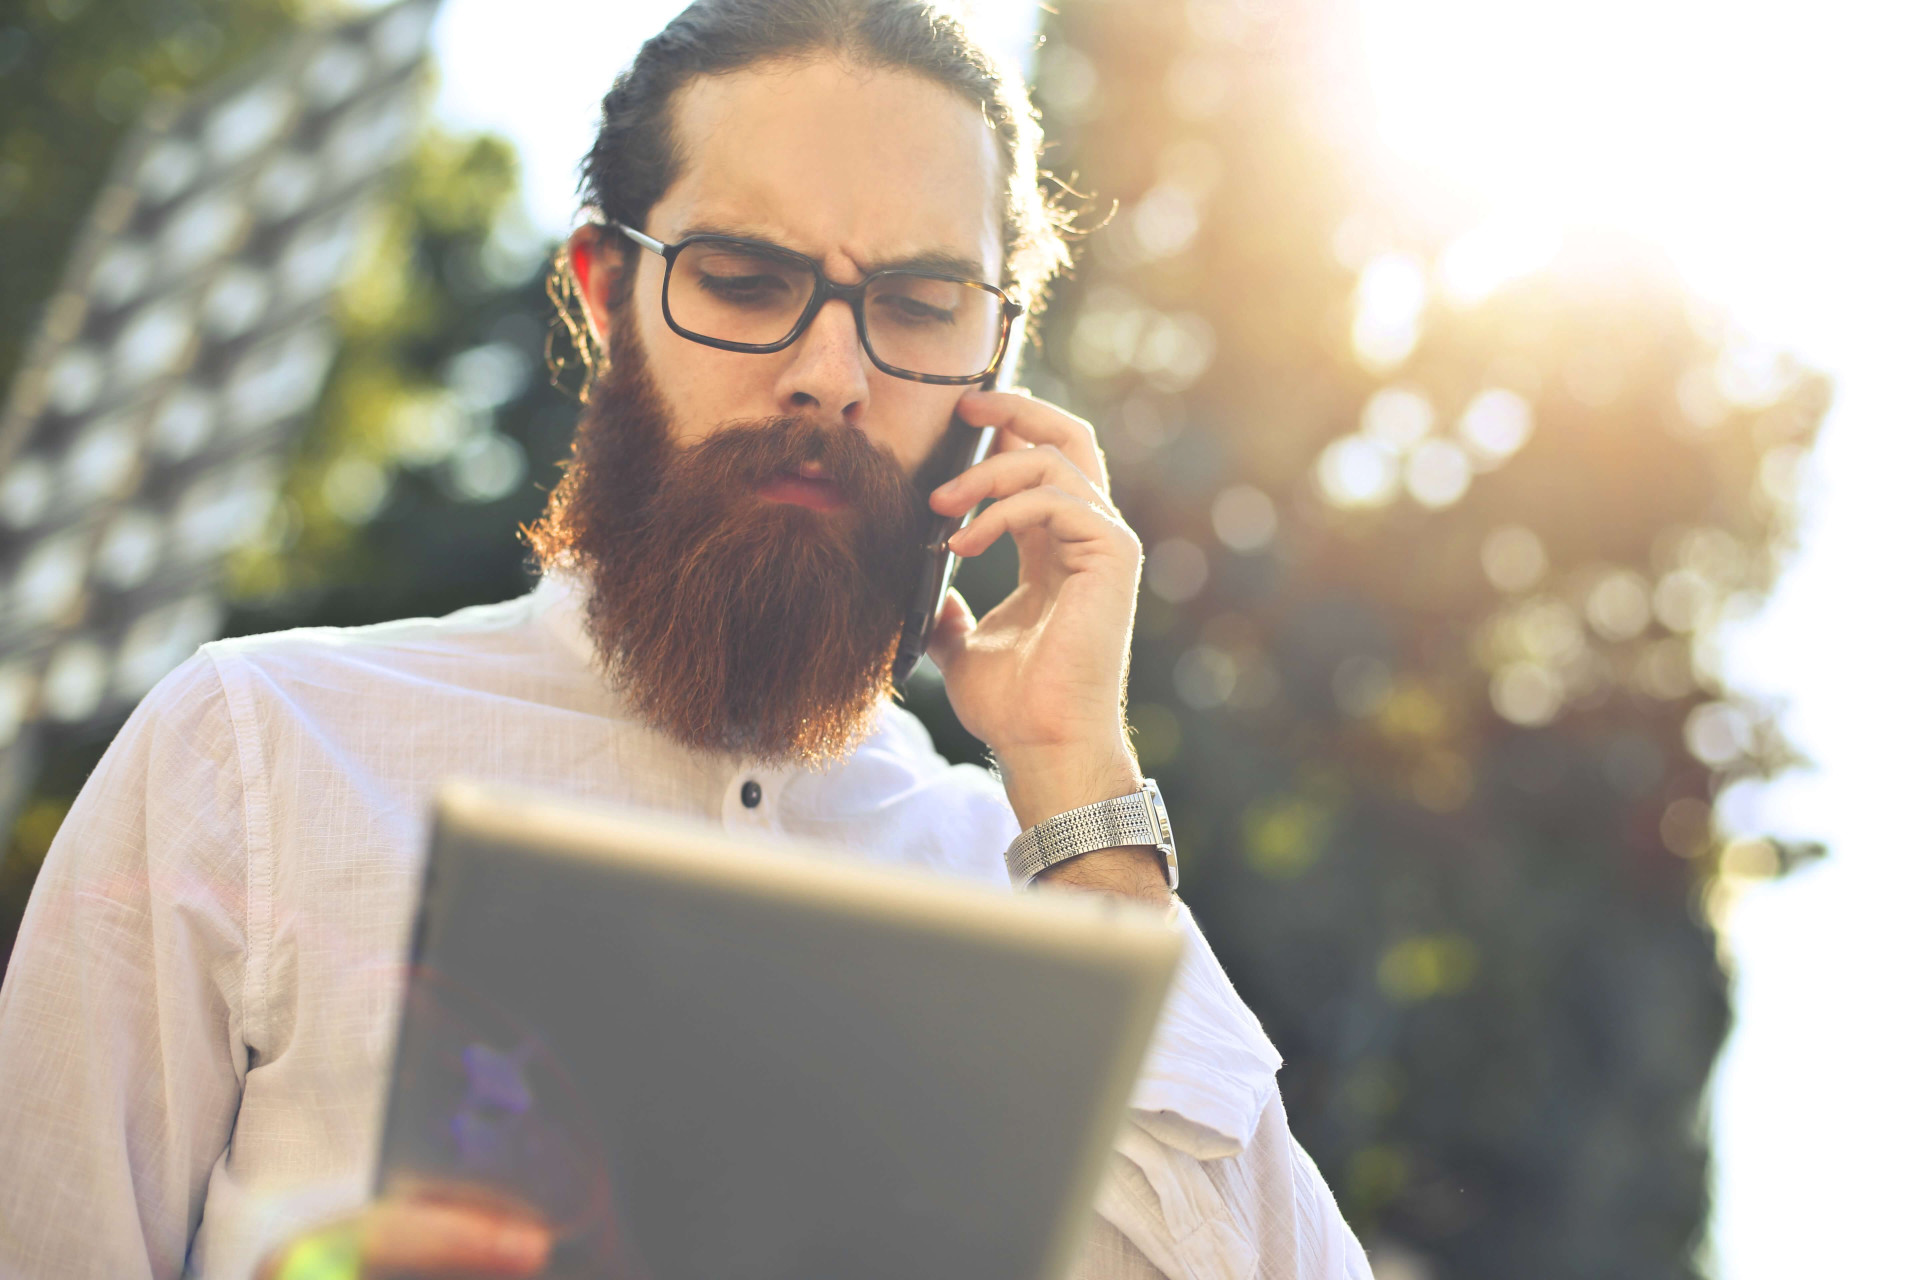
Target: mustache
pixel 747 453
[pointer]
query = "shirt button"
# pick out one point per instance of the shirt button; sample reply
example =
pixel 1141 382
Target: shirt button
pixel 750 794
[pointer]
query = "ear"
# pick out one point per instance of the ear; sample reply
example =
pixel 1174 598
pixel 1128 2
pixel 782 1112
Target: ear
pixel 596 269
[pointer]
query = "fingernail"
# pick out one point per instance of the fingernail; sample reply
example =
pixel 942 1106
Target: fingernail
pixel 522 1244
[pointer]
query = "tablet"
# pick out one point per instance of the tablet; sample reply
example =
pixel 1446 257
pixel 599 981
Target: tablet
pixel 701 1056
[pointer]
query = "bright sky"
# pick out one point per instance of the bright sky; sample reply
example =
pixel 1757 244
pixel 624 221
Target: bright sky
pixel 1770 148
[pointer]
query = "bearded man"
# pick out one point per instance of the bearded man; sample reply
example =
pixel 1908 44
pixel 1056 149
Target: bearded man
pixel 815 224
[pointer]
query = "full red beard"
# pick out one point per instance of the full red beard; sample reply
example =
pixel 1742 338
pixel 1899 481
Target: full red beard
pixel 730 622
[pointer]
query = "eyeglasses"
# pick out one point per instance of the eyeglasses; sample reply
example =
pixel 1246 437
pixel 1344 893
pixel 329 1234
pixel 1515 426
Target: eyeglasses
pixel 746 295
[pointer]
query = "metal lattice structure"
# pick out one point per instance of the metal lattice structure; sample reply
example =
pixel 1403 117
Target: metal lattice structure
pixel 147 433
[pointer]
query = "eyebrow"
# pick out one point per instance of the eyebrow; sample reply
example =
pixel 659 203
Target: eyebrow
pixel 937 261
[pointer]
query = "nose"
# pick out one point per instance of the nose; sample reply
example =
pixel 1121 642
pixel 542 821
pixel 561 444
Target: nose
pixel 827 371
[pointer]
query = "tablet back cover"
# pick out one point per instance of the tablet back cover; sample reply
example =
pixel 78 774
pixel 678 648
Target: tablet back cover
pixel 698 1058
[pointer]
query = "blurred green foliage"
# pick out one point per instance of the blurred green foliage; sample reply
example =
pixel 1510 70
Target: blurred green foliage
pixel 1425 659
pixel 438 432
pixel 73 75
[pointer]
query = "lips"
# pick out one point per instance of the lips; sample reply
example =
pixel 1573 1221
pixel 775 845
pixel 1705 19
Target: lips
pixel 813 491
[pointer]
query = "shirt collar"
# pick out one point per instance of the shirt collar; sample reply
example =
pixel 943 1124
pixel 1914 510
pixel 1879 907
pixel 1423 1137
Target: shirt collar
pixel 558 603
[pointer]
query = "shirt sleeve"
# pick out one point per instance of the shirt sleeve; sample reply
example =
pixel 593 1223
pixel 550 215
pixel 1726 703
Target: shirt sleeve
pixel 121 1038
pixel 1206 1180
pixel 1209 1071
pixel 1265 1213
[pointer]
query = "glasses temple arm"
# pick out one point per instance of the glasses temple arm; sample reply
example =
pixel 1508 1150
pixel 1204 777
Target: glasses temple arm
pixel 640 238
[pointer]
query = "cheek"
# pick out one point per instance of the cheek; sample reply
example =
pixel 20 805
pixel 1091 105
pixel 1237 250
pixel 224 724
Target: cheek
pixel 918 416
pixel 701 387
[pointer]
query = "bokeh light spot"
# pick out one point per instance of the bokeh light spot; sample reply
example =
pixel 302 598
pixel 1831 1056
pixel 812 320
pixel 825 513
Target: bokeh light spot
pixel 1549 631
pixel 1176 570
pixel 167 169
pixel 356 488
pixel 1243 518
pixel 1683 600
pixel 486 468
pixel 1513 558
pixel 1284 834
pixel 1397 417
pixel 1494 425
pixel 1618 607
pixel 1438 473
pixel 1664 669
pixel 153 342
pixel 75 681
pixel 1686 827
pixel 1526 694
pixel 129 549
pixel 1388 302
pixel 102 461
pixel 75 380
pixel 1718 734
pixel 335 72
pixel 121 274
pixel 1166 220
pixel 241 126
pixel 26 492
pixel 1204 677
pixel 1751 858
pixel 1428 965
pixel 1355 471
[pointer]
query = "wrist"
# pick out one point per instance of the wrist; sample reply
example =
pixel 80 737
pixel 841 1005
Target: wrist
pixel 1043 783
pixel 1135 872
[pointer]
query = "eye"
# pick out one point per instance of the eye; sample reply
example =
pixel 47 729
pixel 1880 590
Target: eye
pixel 910 310
pixel 759 287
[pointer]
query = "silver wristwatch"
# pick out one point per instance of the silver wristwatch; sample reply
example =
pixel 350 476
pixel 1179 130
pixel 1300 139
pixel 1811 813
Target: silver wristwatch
pixel 1136 819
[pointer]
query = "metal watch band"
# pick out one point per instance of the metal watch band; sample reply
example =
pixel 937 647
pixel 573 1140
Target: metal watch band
pixel 1136 819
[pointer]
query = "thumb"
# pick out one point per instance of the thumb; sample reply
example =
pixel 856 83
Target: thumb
pixel 950 631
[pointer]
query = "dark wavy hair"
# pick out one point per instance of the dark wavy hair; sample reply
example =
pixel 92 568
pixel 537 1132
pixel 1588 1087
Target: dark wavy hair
pixel 635 156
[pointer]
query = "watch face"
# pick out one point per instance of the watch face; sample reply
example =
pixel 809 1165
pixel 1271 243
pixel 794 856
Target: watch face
pixel 1160 815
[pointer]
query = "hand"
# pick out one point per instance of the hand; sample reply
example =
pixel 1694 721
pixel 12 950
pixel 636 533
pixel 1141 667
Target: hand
pixel 415 1236
pixel 1041 678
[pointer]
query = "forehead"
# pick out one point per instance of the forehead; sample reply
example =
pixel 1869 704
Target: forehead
pixel 851 165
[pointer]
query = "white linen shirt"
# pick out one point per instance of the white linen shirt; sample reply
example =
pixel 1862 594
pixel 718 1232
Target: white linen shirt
pixel 200 1008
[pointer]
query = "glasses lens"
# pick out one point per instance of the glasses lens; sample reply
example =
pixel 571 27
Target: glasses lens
pixel 931 326
pixel 736 293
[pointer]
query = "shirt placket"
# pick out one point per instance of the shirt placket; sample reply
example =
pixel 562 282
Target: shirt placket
pixel 750 801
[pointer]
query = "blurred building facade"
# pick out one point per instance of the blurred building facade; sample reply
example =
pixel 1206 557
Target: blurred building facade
pixel 145 436
pixel 401 491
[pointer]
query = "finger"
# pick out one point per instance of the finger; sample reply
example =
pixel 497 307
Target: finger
pixel 1067 518
pixel 1006 474
pixel 1038 422
pixel 950 629
pixel 406 1238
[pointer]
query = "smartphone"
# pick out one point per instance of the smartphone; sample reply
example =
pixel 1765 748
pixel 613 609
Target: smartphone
pixel 968 446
